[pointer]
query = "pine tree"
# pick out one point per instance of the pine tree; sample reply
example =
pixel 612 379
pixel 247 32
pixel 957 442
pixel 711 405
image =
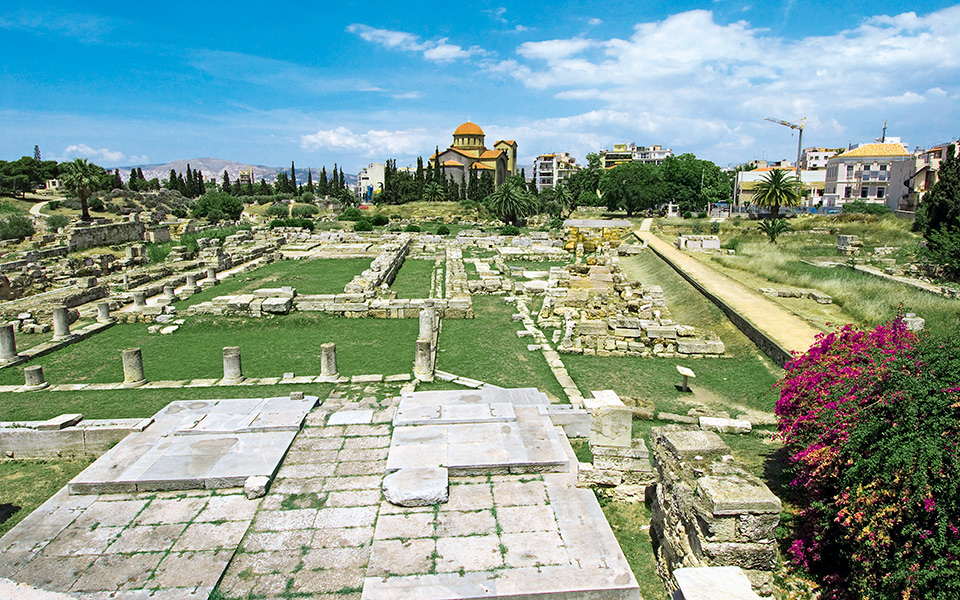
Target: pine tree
pixel 309 180
pixel 324 186
pixel 117 181
pixel 171 183
pixel 225 184
pixel 342 184
pixel 188 184
pixel 334 179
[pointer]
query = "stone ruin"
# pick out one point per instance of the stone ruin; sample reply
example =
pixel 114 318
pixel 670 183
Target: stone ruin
pixel 600 313
pixel 849 245
pixel 698 243
pixel 815 295
pixel 708 510
pixel 589 235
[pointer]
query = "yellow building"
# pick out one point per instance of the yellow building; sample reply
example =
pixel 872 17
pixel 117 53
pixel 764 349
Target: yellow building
pixel 469 154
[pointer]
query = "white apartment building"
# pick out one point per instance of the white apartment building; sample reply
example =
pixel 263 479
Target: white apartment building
pixel 551 169
pixel 370 181
pixel 862 173
pixel 813 159
pixel 623 153
pixel 912 177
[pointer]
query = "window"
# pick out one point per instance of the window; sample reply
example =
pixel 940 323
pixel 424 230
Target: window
pixel 849 171
pixel 883 167
pixel 864 192
pixel 846 192
pixel 881 192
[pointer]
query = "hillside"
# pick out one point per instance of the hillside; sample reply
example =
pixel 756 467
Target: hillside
pixel 212 168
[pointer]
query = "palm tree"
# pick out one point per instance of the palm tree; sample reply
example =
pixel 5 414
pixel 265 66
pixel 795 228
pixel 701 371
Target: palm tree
pixel 777 189
pixel 510 202
pixel 80 177
pixel 433 192
pixel 563 196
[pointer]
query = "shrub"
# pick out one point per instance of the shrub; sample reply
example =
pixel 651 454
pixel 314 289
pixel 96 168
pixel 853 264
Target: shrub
pixel 714 228
pixel 701 215
pixel 687 214
pixel 380 220
pixel 696 229
pixel 868 419
pixel 363 224
pixel 443 230
pixel 351 213
pixel 307 197
pixel 509 230
pixel 95 204
pixel 555 223
pixel 55 222
pixel 395 217
pixel 16 227
pixel 278 210
pixel 412 228
pixel 217 206
pixel 773 228
pixel 53 204
pixel 865 208
pixel 304 210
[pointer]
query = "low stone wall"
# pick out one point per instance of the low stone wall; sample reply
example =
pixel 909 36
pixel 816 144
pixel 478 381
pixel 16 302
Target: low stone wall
pixel 66 435
pixel 383 268
pixel 708 510
pixel 81 238
pixel 765 343
pixel 44 303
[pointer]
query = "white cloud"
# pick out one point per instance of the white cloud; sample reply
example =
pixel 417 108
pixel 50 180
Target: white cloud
pixel 433 50
pixel 101 155
pixel 689 78
pixel 372 144
pixel 595 21
pixel 408 95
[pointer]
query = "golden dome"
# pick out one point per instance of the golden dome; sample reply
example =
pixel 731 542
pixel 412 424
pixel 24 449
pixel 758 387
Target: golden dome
pixel 468 128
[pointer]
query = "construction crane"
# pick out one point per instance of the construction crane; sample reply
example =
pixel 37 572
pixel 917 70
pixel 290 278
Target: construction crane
pixel 798 126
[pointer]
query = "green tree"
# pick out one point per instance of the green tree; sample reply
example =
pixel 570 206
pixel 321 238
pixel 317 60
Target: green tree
pixel 81 178
pixel 216 206
pixel 225 182
pixel 565 198
pixel 777 189
pixel 938 216
pixel 433 192
pixel 633 187
pixel 510 202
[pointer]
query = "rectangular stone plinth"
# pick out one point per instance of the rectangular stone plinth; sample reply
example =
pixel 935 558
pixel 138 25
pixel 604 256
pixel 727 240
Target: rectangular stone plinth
pixel 737 494
pixel 611 422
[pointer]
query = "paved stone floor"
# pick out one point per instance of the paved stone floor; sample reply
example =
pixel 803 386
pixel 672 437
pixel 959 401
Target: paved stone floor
pixel 324 531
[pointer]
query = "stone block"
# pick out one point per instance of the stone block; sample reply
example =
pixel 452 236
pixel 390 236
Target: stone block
pixel 659 332
pixel 694 443
pixel 279 306
pixel 590 476
pixel 705 583
pixel 60 422
pixel 256 486
pixel 733 495
pixel 691 345
pixel 611 422
pixel 423 486
pixel 721 425
pixel 574 421
pixel 592 328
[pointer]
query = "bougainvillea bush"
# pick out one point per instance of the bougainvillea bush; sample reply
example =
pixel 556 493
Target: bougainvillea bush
pixel 871 421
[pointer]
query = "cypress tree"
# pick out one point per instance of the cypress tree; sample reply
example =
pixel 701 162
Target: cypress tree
pixel 188 184
pixel 293 176
pixel 324 187
pixel 117 182
pixel 309 180
pixel 171 183
pixel 225 184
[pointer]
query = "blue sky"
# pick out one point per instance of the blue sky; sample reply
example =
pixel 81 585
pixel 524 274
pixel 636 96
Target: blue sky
pixel 358 82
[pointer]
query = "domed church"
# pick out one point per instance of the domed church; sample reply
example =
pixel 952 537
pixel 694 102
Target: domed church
pixel 468 153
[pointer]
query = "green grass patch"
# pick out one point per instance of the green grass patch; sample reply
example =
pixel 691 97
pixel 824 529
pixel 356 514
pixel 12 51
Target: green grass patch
pixel 269 347
pixel 487 348
pixel 132 404
pixel 26 484
pixel 414 278
pixel 318 276
pixel 630 523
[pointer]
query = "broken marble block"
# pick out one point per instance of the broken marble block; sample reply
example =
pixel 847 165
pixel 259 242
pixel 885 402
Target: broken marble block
pixel 416 486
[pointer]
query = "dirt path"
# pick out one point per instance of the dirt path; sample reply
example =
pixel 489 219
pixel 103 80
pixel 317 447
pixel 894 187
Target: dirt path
pixel 784 327
pixel 36 208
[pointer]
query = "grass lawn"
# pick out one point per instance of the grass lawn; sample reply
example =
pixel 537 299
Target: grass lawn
pixel 318 276
pixel 26 484
pixel 269 346
pixel 414 278
pixel 487 348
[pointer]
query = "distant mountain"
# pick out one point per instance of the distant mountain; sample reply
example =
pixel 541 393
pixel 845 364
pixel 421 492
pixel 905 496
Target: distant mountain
pixel 213 168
